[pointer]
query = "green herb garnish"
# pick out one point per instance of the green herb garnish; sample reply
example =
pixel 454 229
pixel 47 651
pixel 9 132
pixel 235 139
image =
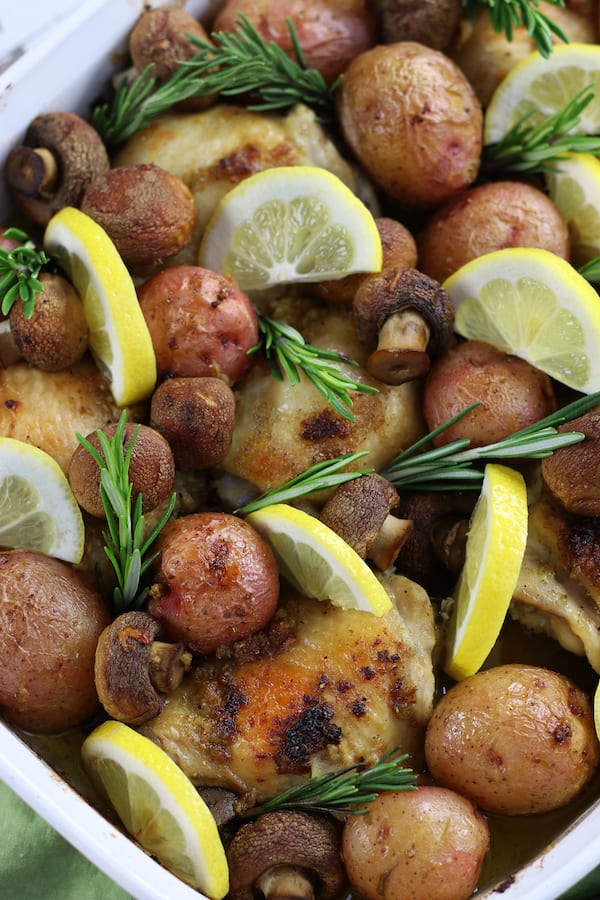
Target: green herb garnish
pixel 126 547
pixel 527 147
pixel 345 792
pixel 288 354
pixel 450 467
pixel 508 14
pixel 236 62
pixel 319 477
pixel 19 270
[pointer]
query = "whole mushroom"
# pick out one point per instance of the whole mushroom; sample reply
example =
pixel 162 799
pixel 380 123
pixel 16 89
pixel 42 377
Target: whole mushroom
pixel 286 854
pixel 360 512
pixel 573 473
pixel 133 670
pixel 60 155
pixel 410 317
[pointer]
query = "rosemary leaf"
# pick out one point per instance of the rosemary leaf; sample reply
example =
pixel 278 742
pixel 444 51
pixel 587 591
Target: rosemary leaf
pixel 508 14
pixel 529 147
pixel 288 354
pixel 345 792
pixel 232 63
pixel 319 477
pixel 19 269
pixel 125 547
pixel 591 270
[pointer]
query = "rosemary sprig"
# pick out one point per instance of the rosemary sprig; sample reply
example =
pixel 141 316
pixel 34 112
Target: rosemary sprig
pixel 316 478
pixel 508 14
pixel 527 147
pixel 345 792
pixel 236 62
pixel 450 467
pixel 288 354
pixel 126 547
pixel 19 270
pixel 591 270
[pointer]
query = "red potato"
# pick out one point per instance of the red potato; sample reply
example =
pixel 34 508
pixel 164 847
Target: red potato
pixel 330 32
pixel 515 739
pixel 50 621
pixel 217 582
pixel 413 121
pixel 427 844
pixel 512 393
pixel 490 217
pixel 201 323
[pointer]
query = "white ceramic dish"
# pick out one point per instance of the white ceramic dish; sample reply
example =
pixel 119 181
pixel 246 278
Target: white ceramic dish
pixel 62 71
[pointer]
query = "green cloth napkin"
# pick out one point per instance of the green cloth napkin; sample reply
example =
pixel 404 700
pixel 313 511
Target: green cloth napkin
pixel 36 863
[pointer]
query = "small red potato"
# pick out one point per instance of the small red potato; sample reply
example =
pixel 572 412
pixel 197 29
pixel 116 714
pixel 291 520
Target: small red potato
pixel 490 217
pixel 427 844
pixel 218 581
pixel 512 393
pixel 330 32
pixel 515 739
pixel 413 121
pixel 50 621
pixel 201 323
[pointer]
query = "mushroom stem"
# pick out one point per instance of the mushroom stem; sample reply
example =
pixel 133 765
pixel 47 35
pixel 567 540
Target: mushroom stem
pixel 167 665
pixel 401 353
pixel 389 541
pixel 286 883
pixel 33 171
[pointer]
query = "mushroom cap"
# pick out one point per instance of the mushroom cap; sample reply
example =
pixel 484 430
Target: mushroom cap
pixel 80 155
pixel 122 668
pixel 286 838
pixel 358 509
pixel 572 473
pixel 393 290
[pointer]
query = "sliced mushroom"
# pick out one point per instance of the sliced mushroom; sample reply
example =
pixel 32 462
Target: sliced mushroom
pixel 360 512
pixel 60 155
pixel 285 854
pixel 133 670
pixel 573 473
pixel 409 316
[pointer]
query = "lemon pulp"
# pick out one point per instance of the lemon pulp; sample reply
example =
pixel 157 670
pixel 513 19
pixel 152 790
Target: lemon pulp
pixel 319 563
pixel 158 805
pixel 535 305
pixel 38 510
pixel 290 224
pixel 574 186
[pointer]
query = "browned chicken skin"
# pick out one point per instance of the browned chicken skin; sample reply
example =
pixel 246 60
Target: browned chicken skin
pixel 321 689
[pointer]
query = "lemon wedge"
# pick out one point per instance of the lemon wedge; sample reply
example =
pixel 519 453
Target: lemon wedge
pixel 290 224
pixel 119 338
pixel 532 304
pixel 38 510
pixel 494 553
pixel 545 86
pixel 317 561
pixel 574 186
pixel 158 805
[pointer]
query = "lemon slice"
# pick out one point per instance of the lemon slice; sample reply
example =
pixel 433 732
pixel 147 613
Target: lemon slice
pixel 546 85
pixel 38 510
pixel 158 805
pixel 317 561
pixel 532 304
pixel 597 709
pixel 287 225
pixel 119 338
pixel 574 186
pixel 494 553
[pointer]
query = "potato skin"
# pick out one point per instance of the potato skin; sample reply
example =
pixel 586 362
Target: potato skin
pixel 50 621
pixel 512 393
pixel 412 119
pixel 218 581
pixel 490 217
pixel 427 844
pixel 515 739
